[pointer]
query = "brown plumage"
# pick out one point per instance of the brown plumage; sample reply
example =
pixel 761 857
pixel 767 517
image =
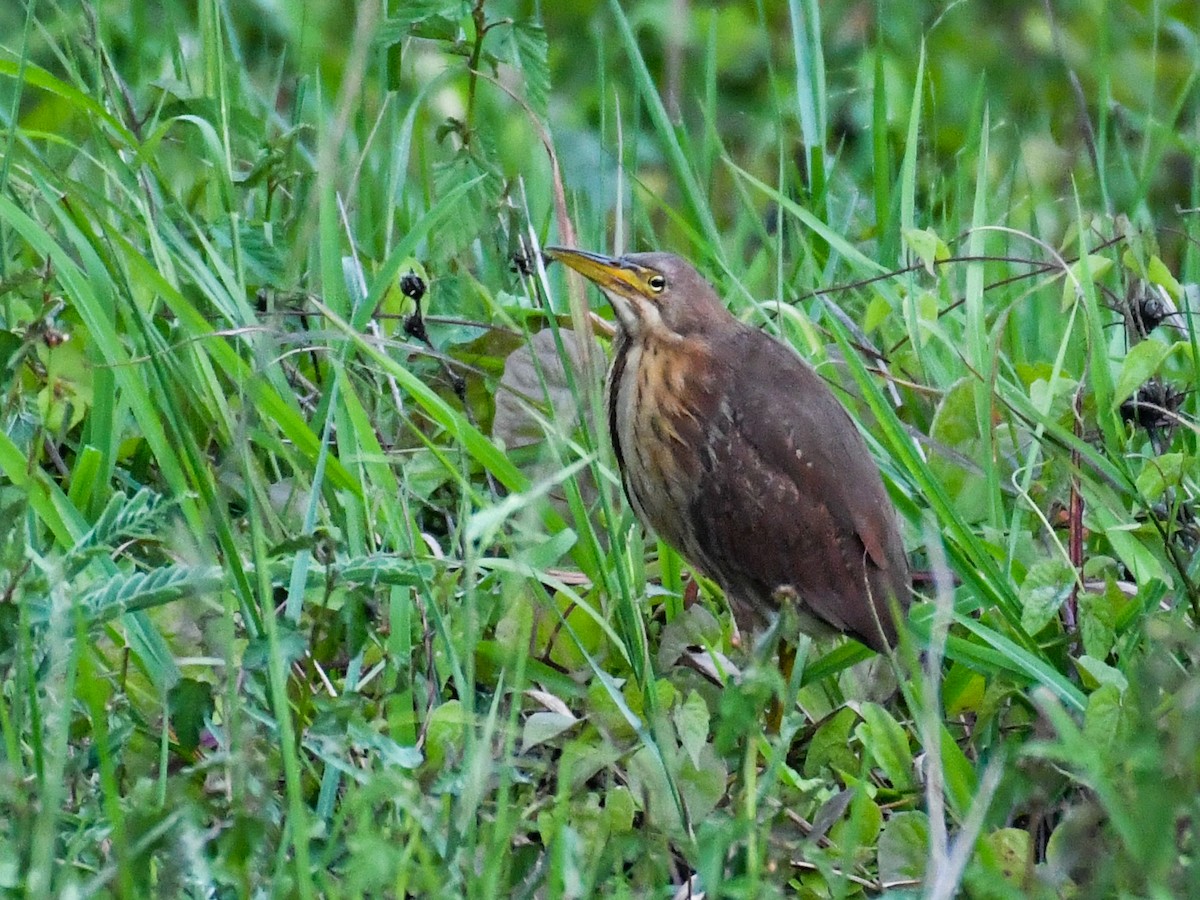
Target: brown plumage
pixel 737 454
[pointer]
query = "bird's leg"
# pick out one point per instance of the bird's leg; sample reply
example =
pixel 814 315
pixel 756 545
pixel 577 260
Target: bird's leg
pixel 787 659
pixel 775 641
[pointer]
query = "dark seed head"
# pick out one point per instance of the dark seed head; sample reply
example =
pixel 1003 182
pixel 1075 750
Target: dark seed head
pixel 1152 406
pixel 521 264
pixel 414 326
pixel 412 286
pixel 1146 307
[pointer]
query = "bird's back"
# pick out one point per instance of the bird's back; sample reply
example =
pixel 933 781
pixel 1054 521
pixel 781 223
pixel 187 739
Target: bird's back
pixel 792 502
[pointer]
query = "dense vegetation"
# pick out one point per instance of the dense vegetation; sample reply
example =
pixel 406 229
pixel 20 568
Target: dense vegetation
pixel 315 573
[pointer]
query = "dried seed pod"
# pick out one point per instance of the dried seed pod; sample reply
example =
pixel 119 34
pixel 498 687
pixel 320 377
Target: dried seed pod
pixel 521 263
pixel 1153 406
pixel 1147 306
pixel 414 326
pixel 412 286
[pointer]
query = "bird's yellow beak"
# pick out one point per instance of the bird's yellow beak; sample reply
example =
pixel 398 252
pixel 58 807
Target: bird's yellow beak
pixel 610 274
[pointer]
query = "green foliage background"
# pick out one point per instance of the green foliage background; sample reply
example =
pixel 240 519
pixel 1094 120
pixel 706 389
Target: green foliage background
pixel 294 602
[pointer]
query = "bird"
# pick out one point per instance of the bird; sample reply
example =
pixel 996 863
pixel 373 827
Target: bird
pixel 734 451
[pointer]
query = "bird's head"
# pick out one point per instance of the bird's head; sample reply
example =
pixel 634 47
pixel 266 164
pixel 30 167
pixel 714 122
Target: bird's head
pixel 649 291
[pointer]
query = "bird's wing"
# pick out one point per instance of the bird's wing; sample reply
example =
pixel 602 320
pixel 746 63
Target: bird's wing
pixel 793 499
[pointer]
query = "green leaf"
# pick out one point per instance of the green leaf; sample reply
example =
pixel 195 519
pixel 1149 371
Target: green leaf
pixel 407 13
pixel 353 616
pixel 541 727
pixel 887 743
pixel 1158 273
pixel 190 703
pixel 702 783
pixel 694 627
pixel 955 427
pixel 1047 584
pixel 1011 850
pixel 530 49
pixel 472 210
pixel 10 343
pixel 292 646
pixel 928 247
pixel 649 784
pixel 958 775
pixel 604 711
pixel 1098 672
pixel 1106 721
pixel 691 722
pixel 1161 472
pixel 904 848
pixel 1097 266
pixel 619 809
pixel 878 312
pixel 67 395
pixel 586 756
pixel 444 739
pixel 1107 514
pixel 858 831
pixel 142 590
pixel 830 746
pixel 1140 364
pixel 123 518
pixel 1074 843
pixel 389 752
pixel 963 690
pixel 384 568
pixel 928 310
pixel 1098 619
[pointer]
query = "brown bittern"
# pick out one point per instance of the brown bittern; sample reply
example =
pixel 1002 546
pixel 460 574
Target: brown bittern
pixel 738 455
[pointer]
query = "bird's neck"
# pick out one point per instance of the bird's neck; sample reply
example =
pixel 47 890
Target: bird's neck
pixel 657 375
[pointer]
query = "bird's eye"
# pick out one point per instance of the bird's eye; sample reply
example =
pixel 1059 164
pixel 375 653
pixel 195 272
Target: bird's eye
pixel 657 283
